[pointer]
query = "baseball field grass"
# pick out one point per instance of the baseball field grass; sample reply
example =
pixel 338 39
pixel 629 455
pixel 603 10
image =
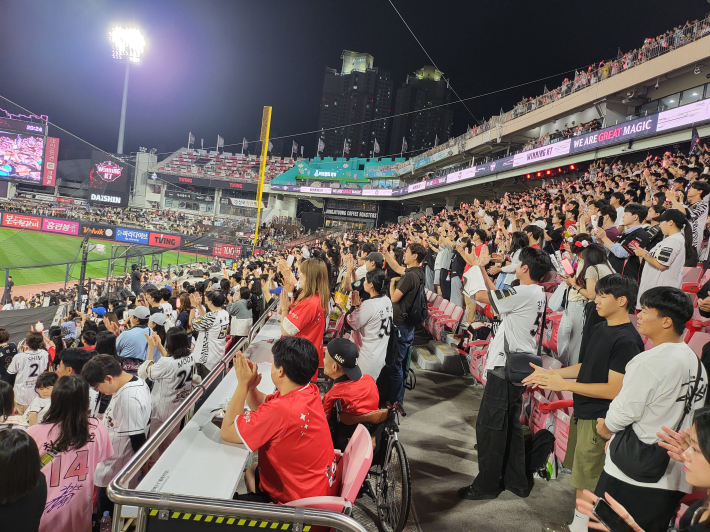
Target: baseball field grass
pixel 27 254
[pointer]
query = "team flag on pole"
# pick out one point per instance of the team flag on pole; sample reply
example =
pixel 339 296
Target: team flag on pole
pixel 376 147
pixel 190 139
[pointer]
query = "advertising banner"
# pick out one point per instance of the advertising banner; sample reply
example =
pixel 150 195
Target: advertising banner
pixel 109 180
pixel 540 154
pixel 347 191
pixel 351 213
pixel 132 235
pixel 205 182
pixel 196 244
pixel 416 187
pixel 51 154
pixel 683 116
pixel 66 227
pixel 220 249
pixel 317 190
pixel 614 134
pixel 239 202
pixel 460 175
pixel 98 230
pixel 376 192
pixel 163 240
pixel 22 221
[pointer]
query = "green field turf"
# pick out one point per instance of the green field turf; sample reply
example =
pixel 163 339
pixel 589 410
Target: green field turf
pixel 19 249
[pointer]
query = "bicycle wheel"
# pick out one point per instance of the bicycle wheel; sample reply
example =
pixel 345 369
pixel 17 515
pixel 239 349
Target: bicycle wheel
pixel 394 495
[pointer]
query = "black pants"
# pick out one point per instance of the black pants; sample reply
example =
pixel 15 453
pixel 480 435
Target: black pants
pixel 104 503
pixel 499 434
pixel 651 508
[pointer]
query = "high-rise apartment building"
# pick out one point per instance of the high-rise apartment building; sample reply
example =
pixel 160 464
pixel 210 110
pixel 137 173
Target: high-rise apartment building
pixel 358 93
pixel 422 123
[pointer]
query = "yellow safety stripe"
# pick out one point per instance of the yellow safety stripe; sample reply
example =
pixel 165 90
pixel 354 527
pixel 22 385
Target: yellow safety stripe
pixel 229 520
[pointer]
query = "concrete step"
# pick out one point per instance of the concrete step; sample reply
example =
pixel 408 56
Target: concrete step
pixel 426 360
pixel 447 355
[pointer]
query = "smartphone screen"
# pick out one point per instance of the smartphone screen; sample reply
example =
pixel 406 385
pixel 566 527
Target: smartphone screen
pixel 567 267
pixel 609 518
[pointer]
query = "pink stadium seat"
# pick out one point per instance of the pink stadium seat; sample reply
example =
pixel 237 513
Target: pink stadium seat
pixel 352 470
pixel 691 275
pixel 451 324
pixel 697 341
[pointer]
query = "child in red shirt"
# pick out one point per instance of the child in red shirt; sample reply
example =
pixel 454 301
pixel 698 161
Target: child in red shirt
pixel 357 392
pixel 296 456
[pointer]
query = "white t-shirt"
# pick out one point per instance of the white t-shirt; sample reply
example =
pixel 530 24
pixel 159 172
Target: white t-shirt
pixel 38 406
pixel 520 309
pixel 172 383
pixel 211 341
pixel 27 365
pixel 669 252
pixel 127 414
pixel 170 315
pixel 360 271
pixel 94 403
pixel 619 216
pixel 372 326
pixel 656 388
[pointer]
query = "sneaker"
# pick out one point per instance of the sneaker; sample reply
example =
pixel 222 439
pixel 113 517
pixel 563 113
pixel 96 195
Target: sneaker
pixel 472 494
pixel 555 527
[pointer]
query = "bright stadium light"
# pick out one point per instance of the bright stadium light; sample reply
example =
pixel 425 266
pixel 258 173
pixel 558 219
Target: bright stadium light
pixel 127 46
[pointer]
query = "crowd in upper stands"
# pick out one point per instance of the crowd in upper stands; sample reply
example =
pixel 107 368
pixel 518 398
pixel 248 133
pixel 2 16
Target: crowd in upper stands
pixel 650 49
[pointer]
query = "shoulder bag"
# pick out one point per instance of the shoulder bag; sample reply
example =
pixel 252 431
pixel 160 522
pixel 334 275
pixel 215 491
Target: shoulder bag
pixel 645 462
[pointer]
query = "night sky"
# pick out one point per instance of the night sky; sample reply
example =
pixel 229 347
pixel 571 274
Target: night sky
pixel 210 65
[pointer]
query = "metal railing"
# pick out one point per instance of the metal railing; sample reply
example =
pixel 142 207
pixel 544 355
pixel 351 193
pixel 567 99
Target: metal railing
pixel 124 496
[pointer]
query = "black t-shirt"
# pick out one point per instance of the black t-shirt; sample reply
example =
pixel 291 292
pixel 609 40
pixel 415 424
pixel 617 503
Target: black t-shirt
pixel 135 281
pixel 613 347
pixel 24 515
pixel 6 353
pixel 408 285
pixel 430 258
pixel 556 240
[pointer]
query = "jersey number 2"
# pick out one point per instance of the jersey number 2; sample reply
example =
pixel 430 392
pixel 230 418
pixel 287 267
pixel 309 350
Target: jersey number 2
pixel 184 376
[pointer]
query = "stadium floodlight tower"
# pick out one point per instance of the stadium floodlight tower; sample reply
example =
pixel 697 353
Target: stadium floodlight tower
pixel 127 44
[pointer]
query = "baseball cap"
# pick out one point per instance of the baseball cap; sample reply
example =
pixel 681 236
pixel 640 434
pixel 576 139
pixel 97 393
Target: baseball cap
pixel 677 217
pixel 344 352
pixel 158 318
pixel 140 312
pixel 100 311
pixel 377 257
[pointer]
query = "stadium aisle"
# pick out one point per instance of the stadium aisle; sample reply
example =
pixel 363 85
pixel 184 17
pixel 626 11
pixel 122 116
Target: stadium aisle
pixel 438 435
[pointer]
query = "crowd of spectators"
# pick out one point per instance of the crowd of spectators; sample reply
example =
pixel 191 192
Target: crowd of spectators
pixel 650 49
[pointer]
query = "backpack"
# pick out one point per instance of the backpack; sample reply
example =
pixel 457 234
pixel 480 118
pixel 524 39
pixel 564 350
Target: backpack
pixel 419 310
pixel 537 451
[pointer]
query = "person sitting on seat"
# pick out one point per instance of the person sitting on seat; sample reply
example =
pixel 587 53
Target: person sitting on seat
pixel 289 423
pixel 357 392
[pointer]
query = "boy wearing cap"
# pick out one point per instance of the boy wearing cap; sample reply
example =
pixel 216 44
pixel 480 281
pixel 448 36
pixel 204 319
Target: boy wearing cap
pixel 357 392
pixel 132 343
pixel 371 261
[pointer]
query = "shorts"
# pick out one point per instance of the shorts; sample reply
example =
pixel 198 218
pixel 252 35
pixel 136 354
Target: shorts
pixel 586 452
pixel 257 496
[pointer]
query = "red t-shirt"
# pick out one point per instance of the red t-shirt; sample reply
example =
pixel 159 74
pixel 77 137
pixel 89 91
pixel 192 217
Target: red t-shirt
pixel 308 317
pixel 568 223
pixel 88 347
pixel 357 397
pixel 296 457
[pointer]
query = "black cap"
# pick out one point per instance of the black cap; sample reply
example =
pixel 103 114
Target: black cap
pixel 344 352
pixel 677 217
pixel 375 256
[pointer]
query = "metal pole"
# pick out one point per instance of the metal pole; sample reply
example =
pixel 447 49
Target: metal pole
pixel 265 125
pixel 177 264
pixel 122 127
pixel 66 277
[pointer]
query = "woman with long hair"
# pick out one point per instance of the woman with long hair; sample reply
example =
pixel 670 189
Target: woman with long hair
pixel 9 419
pixel 665 261
pixel 306 316
pixel 71 446
pixel 23 488
pixel 185 306
pixel 592 265
pixel 105 344
pixel 371 321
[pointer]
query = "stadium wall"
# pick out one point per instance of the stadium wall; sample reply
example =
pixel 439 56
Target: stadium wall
pixel 199 244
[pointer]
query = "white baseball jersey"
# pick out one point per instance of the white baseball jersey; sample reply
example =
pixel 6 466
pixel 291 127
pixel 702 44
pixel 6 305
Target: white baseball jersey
pixel 520 309
pixel 172 383
pixel 127 414
pixel 94 403
pixel 27 366
pixel 211 341
pixel 372 326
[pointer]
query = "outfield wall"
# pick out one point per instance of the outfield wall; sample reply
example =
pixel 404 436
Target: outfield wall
pixel 168 241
